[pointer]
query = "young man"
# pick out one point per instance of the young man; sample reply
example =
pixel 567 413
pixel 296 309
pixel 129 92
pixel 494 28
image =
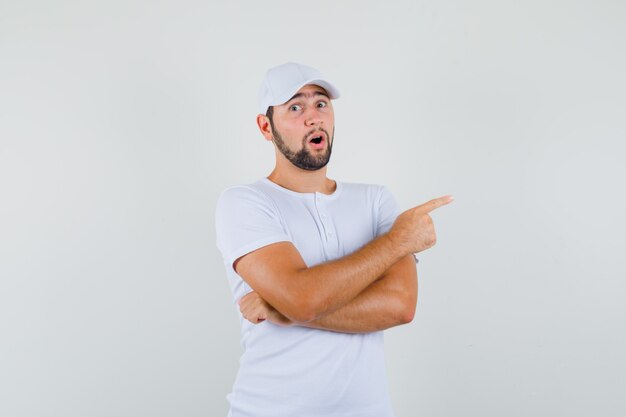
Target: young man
pixel 318 267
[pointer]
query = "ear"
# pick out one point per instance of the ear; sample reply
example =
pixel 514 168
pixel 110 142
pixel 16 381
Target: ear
pixel 263 122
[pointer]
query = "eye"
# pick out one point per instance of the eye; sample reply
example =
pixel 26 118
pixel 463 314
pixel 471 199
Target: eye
pixel 322 104
pixel 294 107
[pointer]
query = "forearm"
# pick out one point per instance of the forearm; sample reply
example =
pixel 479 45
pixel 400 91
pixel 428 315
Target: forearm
pixel 370 311
pixel 387 302
pixel 328 287
pixel 304 294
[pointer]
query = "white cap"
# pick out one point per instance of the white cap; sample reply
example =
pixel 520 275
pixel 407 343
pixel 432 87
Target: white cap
pixel 282 82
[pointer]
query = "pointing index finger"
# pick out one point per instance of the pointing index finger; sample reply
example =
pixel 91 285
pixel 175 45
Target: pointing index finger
pixel 435 203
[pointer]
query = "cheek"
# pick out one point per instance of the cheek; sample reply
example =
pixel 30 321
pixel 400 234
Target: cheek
pixel 289 134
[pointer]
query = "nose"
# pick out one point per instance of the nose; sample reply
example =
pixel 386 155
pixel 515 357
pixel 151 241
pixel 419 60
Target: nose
pixel 312 117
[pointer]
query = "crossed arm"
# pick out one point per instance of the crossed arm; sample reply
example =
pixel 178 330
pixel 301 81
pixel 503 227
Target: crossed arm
pixel 354 294
pixel 371 289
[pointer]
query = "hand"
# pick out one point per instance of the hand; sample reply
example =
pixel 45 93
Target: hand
pixel 413 230
pixel 256 310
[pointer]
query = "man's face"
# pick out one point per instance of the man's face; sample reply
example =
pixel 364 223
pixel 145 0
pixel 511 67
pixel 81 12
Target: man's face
pixel 304 127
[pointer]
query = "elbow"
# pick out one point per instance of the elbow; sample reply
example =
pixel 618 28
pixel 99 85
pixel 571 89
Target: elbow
pixel 302 316
pixel 408 303
pixel 407 309
pixel 301 310
pixel 306 305
pixel 407 315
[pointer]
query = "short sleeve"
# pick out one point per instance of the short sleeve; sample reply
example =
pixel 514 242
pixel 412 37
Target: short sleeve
pixel 246 220
pixel 388 210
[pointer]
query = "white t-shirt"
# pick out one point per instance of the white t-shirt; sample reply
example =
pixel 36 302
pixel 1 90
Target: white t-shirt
pixel 296 371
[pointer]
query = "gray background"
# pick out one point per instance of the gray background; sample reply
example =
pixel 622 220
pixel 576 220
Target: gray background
pixel 122 121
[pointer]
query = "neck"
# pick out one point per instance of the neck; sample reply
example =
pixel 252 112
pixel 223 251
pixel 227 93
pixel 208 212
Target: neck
pixel 302 181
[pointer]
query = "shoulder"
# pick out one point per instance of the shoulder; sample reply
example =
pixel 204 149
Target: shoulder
pixel 239 192
pixel 244 199
pixel 243 193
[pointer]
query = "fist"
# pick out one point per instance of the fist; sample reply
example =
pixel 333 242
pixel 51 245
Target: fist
pixel 256 310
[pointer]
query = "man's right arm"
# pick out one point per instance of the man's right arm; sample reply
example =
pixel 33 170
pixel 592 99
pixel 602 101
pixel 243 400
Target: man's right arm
pixel 280 276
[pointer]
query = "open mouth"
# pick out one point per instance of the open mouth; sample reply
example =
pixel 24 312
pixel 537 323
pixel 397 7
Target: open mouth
pixel 317 138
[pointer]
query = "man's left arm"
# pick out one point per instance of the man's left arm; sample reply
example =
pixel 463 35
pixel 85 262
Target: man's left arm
pixel 387 302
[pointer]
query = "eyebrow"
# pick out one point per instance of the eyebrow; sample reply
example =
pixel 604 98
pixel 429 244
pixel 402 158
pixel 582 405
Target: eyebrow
pixel 316 93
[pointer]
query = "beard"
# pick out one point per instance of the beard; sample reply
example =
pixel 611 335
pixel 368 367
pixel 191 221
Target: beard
pixel 303 158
